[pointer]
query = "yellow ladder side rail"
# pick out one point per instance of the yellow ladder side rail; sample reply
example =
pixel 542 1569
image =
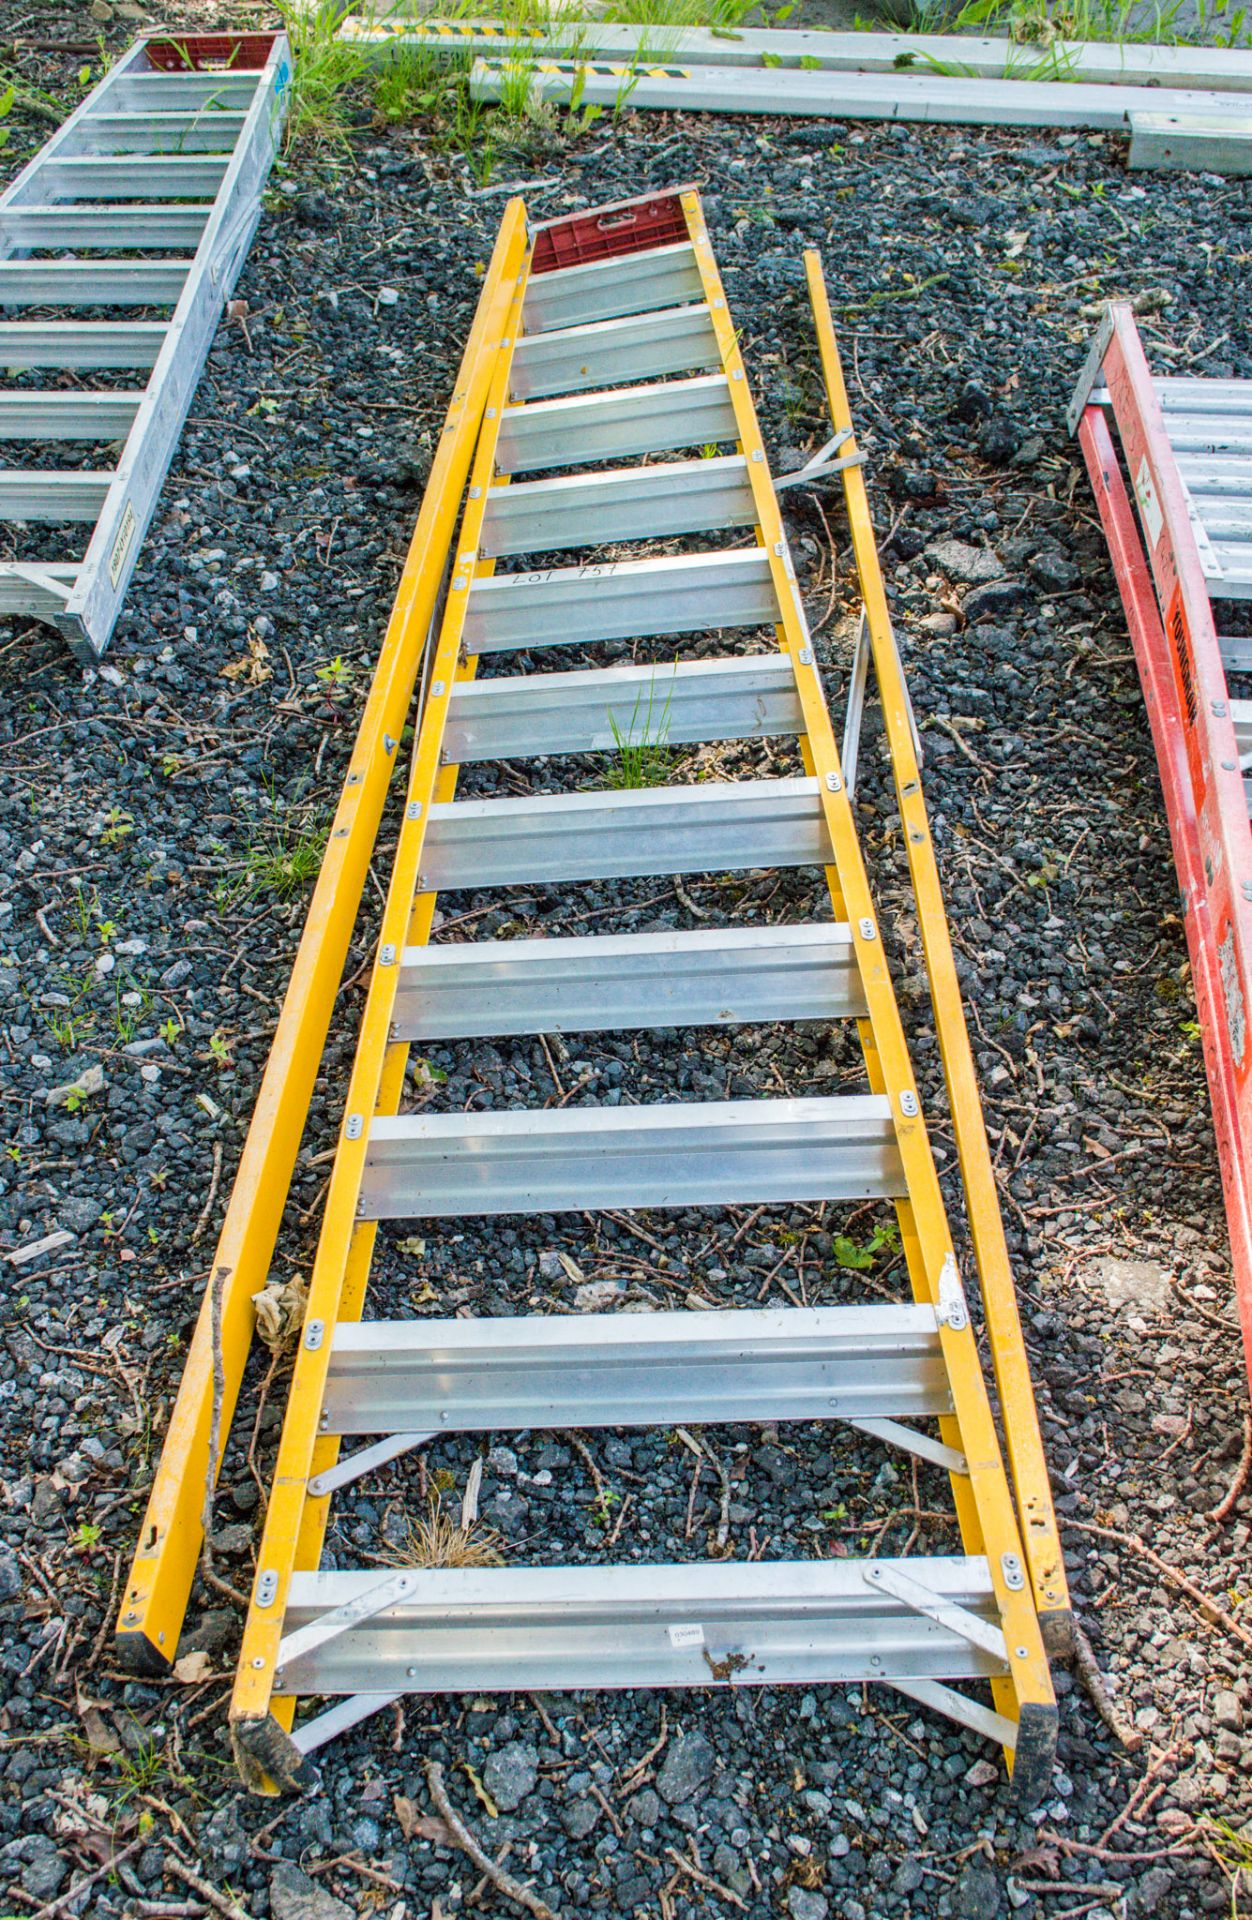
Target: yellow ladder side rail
pixel 154 1600
pixel 258 1736
pixel 1023 1440
pixel 1027 1695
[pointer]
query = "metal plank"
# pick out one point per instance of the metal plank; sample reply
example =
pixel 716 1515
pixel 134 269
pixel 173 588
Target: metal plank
pixel 1207 141
pixel 613 353
pixel 636 1369
pixel 1123 62
pixel 582 428
pixel 721 827
pixel 80 345
pixel 622 600
pixel 688 1154
pixel 930 98
pixel 99 177
pixel 623 982
pixel 203 129
pixel 26 414
pixel 47 495
pixel 91 283
pixel 106 228
pixel 626 503
pixel 607 289
pixel 507 1629
pixel 601 710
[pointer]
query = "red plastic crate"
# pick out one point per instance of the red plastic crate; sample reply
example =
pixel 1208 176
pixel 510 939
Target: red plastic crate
pixel 629 226
pixel 210 52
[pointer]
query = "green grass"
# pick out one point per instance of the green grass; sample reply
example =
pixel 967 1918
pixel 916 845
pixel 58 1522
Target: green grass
pixel 285 862
pixel 643 757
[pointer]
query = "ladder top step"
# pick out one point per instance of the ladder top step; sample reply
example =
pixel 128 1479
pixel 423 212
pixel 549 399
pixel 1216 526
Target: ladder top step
pixel 710 795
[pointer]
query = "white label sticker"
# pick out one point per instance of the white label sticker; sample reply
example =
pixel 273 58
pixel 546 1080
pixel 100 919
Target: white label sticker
pixel 1150 506
pixel 121 544
pixel 692 1636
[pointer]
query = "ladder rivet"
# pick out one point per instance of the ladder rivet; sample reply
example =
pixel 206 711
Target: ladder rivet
pixel 1230 766
pixel 805 656
pixel 908 1103
pixel 1245 888
pixel 437 689
pixel 458 585
pixel 387 957
pixel 834 783
pixel 354 1128
pixel 414 810
pixel 1022 1653
pixel 475 493
pixel 868 929
pixel 389 745
pixel 258 1662
pixel 412 1673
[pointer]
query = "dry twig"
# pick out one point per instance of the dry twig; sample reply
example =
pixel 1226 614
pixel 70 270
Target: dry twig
pixel 503 1882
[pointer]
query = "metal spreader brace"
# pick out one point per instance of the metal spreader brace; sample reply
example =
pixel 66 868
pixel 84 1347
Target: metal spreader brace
pixel 1187 447
pixel 145 202
pixel 618 346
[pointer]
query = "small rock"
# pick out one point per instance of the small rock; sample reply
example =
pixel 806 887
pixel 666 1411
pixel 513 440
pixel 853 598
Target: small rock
pixel 982 1774
pixel 972 566
pixel 293 1896
pixel 387 296
pixel 44 1876
pixel 595 1295
pixel 804 1904
pixel 978 1894
pixel 269 582
pixel 1138 1284
pixel 91 1080
pixel 510 1774
pixel 644 1809
pixel 990 601
pixel 688 1764
pixel 579 1818
pixel 10 1575
pixel 1226 1710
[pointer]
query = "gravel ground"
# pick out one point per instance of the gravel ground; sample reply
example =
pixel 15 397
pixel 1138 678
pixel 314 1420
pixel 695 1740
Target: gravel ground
pixel 159 827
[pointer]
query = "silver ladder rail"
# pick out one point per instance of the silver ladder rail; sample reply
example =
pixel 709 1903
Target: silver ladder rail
pixel 153 160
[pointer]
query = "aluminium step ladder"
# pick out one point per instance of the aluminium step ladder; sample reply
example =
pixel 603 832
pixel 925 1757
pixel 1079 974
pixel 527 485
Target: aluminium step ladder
pixel 1185 542
pixel 141 209
pixel 628 354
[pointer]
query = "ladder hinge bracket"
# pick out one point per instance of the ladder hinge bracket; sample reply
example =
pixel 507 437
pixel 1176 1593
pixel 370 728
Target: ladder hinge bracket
pixel 945 1613
pixel 951 1310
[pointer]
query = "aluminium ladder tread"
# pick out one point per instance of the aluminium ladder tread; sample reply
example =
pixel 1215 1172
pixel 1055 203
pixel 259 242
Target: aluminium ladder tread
pixel 363 1637
pixel 588 984
pixel 170 165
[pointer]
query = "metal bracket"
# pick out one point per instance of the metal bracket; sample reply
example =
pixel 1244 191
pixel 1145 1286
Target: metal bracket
pixel 945 1613
pixel 328 1626
pixel 821 465
pixel 951 1310
pixel 364 1460
pixel 957 1706
pixel 895 1434
pixel 345 1713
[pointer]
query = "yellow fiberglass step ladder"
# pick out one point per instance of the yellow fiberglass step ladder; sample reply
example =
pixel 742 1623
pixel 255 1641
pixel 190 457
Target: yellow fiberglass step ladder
pixel 619 346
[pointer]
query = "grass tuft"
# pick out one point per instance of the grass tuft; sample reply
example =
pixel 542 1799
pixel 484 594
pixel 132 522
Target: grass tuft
pixel 437 1540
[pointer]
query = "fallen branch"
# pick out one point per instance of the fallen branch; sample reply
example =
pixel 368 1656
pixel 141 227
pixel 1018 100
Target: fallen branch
pixel 1226 1507
pixel 1083 1660
pixel 1216 1615
pixel 503 1882
pixel 229 1909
